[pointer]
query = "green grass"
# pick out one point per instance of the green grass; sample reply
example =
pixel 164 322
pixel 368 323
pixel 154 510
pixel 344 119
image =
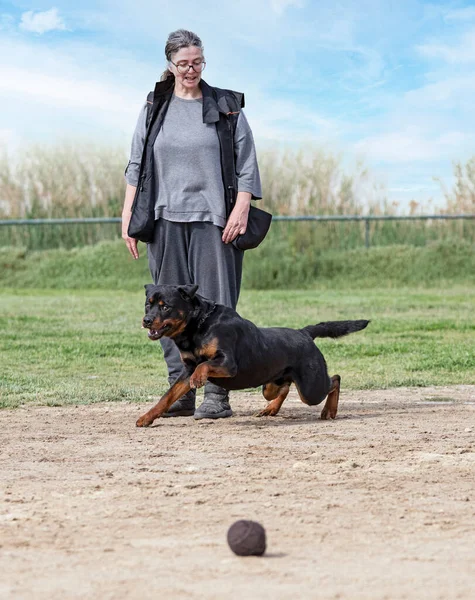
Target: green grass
pixel 274 265
pixel 72 347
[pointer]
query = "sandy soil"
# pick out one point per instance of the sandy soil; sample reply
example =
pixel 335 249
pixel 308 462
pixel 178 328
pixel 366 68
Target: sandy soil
pixel 379 503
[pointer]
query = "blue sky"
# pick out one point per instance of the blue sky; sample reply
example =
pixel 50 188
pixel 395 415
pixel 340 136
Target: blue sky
pixel 390 83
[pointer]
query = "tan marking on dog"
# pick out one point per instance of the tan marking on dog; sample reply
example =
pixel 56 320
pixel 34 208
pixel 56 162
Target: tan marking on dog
pixel 210 349
pixel 271 391
pixel 331 405
pixel 187 355
pixel 179 324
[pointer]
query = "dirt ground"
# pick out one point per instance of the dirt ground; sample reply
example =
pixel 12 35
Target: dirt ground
pixel 379 503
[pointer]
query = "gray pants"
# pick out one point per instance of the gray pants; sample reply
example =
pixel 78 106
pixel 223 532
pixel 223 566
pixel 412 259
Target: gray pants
pixel 193 253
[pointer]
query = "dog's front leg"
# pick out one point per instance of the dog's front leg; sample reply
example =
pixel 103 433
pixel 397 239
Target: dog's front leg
pixel 178 389
pixel 217 367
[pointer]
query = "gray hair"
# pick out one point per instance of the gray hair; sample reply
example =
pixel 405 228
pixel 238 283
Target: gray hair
pixel 181 38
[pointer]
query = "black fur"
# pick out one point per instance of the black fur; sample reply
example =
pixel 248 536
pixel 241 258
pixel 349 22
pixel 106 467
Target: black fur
pixel 245 355
pixel 334 329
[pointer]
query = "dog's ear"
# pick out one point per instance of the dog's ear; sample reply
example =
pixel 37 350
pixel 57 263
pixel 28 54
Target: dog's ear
pixel 188 292
pixel 148 287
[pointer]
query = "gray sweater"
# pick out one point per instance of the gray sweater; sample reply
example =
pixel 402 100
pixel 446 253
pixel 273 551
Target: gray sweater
pixel 188 165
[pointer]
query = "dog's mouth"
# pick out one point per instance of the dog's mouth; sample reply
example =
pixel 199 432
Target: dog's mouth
pixel 156 334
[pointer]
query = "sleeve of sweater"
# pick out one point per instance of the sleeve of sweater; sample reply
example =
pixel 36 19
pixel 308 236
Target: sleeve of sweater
pixel 247 170
pixel 133 167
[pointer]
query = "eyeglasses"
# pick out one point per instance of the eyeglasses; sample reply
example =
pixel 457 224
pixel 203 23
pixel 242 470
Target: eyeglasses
pixel 197 65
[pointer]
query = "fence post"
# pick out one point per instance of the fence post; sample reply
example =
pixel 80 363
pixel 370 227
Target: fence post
pixel 366 233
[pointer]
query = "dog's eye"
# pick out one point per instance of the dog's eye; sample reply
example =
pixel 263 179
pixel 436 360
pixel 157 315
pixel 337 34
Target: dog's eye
pixel 165 308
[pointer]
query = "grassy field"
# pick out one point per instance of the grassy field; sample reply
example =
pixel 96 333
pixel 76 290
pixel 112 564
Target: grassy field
pixel 274 265
pixel 73 347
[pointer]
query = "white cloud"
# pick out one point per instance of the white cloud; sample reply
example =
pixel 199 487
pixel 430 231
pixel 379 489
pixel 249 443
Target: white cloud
pixel 444 94
pixel 286 122
pixel 280 6
pixel 48 92
pixel 412 145
pixel 59 90
pixel 42 22
pixel 7 22
pixel 462 52
pixel 461 14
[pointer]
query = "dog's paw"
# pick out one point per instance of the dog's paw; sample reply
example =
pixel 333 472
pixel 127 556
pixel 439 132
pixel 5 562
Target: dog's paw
pixel 144 421
pixel 328 414
pixel 197 381
pixel 267 412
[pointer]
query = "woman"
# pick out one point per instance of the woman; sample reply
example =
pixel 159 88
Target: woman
pixel 193 161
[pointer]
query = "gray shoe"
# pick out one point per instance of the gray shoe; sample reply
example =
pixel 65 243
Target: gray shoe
pixel 184 407
pixel 215 404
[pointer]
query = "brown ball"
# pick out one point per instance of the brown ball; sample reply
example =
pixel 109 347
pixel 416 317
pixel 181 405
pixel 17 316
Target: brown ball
pixel 247 538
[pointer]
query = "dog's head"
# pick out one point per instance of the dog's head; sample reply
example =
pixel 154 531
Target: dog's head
pixel 167 309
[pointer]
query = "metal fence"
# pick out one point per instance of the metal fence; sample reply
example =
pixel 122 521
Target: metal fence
pixel 366 219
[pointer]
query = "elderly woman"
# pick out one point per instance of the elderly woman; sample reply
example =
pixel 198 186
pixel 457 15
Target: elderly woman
pixel 190 179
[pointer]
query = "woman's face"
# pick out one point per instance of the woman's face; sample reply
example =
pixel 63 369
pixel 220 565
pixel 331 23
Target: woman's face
pixel 184 58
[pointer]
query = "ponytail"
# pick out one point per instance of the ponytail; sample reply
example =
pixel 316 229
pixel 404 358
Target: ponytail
pixel 167 74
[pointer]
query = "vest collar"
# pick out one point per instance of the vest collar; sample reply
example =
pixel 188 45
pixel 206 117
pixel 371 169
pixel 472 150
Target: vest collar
pixel 212 105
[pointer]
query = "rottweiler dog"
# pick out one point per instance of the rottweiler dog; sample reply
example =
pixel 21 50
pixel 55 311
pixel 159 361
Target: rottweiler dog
pixel 218 345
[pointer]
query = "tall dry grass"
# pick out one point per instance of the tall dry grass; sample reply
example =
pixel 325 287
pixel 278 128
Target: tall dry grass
pixel 310 181
pixel 71 180
pixel 461 198
pixel 79 180
pixel 67 180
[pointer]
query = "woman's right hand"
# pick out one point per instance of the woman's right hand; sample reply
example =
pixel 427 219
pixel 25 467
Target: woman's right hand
pixel 131 243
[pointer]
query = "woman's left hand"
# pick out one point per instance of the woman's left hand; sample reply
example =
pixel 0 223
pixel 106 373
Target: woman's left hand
pixel 237 221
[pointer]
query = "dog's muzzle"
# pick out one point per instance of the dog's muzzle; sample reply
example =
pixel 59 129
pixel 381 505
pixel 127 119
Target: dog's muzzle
pixel 154 333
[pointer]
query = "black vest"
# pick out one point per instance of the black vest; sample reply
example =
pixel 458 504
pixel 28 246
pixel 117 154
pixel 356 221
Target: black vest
pixel 221 107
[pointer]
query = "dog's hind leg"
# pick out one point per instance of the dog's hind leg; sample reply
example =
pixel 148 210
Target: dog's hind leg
pixel 276 395
pixel 331 405
pixel 313 385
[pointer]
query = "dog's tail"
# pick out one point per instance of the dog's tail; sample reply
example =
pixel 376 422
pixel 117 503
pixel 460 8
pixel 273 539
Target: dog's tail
pixel 334 329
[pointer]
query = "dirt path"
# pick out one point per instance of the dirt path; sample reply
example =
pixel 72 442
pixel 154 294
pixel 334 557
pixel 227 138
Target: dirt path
pixel 377 504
